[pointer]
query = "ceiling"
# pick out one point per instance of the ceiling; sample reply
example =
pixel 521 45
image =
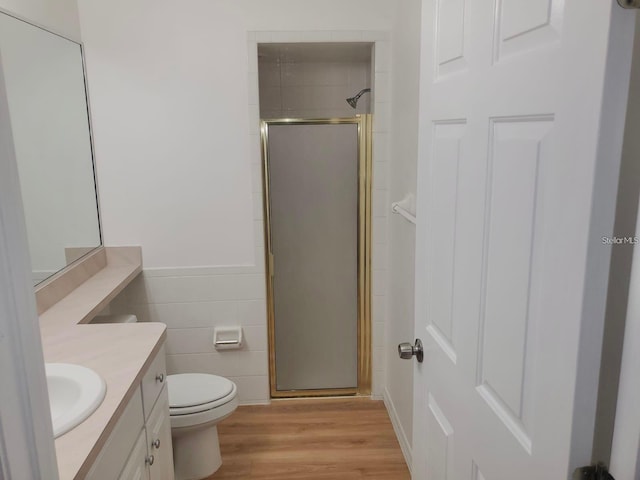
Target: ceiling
pixel 315 52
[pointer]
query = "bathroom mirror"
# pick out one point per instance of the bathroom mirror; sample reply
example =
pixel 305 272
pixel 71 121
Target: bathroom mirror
pixel 45 83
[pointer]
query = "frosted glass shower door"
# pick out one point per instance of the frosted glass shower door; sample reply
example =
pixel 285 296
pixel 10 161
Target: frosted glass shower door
pixel 313 192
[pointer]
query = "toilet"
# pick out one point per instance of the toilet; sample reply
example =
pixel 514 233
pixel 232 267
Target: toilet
pixel 197 402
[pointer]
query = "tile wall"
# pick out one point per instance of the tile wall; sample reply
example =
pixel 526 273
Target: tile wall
pixel 312 90
pixel 191 302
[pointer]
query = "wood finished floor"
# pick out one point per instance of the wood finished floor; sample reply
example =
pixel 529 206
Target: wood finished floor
pixel 317 439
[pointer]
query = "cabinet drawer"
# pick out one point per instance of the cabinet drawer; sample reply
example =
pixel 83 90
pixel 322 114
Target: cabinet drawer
pixel 116 450
pixel 159 439
pixel 153 381
pixel 136 467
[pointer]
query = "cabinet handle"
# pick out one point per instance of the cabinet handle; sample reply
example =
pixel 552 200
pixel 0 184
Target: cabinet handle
pixel 149 460
pixel 160 377
pixel 156 443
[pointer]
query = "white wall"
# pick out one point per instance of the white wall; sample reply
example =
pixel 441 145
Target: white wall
pixel 402 180
pixel 60 16
pixel 169 98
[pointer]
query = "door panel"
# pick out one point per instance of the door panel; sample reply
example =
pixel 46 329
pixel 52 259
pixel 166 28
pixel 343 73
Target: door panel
pixel 476 473
pixel 440 453
pixel 513 138
pixel 313 190
pixel 136 468
pixel 508 318
pixel 522 25
pixel 446 168
pixel 450 40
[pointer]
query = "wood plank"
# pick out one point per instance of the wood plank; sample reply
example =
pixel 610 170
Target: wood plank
pixel 313 439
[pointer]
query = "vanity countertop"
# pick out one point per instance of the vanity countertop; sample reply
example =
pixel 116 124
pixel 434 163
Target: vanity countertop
pixel 120 353
pixel 77 295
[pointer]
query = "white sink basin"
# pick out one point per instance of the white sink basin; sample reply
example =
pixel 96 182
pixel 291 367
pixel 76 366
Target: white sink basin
pixel 75 392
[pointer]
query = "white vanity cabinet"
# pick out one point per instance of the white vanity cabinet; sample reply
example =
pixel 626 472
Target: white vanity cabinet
pixel 152 456
pixel 139 447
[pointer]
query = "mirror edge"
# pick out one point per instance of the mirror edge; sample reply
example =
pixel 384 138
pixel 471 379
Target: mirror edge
pixel 38 25
pixel 98 251
pixel 96 188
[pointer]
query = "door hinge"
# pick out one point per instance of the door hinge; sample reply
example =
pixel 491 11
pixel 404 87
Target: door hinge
pixel 593 472
pixel 629 3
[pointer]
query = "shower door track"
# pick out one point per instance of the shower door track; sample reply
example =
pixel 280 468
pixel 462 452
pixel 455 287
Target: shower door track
pixel 364 124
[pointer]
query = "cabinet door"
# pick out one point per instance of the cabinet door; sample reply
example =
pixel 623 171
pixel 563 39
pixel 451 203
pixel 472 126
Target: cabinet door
pixel 136 468
pixel 120 443
pixel 159 439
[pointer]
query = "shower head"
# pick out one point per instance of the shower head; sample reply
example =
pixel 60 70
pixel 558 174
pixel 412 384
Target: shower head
pixel 353 101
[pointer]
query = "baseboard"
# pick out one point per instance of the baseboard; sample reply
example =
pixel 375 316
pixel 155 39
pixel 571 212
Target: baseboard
pixel 405 446
pixel 254 402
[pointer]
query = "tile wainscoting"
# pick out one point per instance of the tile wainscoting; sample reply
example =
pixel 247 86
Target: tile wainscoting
pixel 191 302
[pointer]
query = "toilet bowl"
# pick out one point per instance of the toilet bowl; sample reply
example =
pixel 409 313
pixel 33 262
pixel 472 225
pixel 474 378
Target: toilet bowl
pixel 197 402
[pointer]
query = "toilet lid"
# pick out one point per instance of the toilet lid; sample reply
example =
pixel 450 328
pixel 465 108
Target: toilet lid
pixel 191 389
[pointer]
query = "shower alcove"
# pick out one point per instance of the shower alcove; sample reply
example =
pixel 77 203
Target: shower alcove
pixel 315 104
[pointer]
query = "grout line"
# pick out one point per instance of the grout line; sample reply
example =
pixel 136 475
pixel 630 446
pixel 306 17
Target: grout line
pixel 189 302
pixel 217 352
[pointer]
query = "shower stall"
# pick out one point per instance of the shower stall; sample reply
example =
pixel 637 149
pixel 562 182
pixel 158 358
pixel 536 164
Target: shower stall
pixel 316 148
pixel 318 201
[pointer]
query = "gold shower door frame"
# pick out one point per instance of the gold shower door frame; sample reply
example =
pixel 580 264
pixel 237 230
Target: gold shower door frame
pixel 364 123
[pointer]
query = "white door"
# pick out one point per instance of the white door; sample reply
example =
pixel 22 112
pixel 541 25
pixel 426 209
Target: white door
pixel 522 109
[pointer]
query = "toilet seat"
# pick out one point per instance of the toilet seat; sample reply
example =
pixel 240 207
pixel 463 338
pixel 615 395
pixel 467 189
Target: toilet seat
pixel 198 392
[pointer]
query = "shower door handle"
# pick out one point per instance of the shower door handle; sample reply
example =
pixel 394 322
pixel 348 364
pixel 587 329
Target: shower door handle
pixel 406 351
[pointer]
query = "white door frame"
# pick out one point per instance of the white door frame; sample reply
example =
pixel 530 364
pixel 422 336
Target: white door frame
pixel 26 436
pixel 625 449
